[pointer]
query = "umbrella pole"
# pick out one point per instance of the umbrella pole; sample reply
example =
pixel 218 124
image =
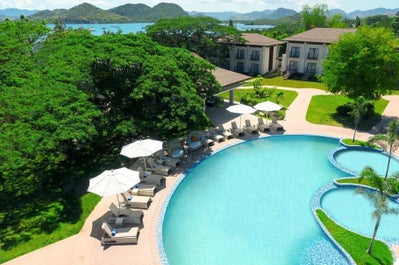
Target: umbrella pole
pixel 145 164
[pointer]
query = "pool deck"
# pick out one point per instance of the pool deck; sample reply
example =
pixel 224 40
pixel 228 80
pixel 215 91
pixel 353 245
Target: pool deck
pixel 85 247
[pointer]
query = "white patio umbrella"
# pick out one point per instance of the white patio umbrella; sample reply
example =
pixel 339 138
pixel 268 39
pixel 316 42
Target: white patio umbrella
pixel 114 181
pixel 268 106
pixel 142 148
pixel 241 109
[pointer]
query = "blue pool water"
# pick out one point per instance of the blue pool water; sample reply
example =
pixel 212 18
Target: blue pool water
pixel 339 204
pixel 356 160
pixel 251 204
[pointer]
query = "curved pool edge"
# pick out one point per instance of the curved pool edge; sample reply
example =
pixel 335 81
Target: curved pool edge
pixel 159 230
pixel 316 205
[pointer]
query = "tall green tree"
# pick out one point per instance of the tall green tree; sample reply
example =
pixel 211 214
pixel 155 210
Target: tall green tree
pixel 379 199
pixel 358 109
pixel 388 142
pixel 314 17
pixel 364 63
pixel 201 35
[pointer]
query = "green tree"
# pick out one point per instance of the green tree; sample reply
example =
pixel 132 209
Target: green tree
pixel 314 17
pixel 388 142
pixel 336 21
pixel 379 199
pixel 201 35
pixel 363 63
pixel 358 109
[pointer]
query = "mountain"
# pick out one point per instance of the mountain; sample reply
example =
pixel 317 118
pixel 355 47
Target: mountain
pixel 14 13
pixel 372 12
pixel 218 15
pixel 144 13
pixel 129 13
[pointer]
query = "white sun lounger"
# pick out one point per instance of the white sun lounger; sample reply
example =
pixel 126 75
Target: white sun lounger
pixel 121 235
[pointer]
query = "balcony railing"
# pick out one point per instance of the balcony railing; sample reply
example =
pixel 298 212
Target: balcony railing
pixel 312 56
pixel 240 56
pixel 295 54
pixel 255 57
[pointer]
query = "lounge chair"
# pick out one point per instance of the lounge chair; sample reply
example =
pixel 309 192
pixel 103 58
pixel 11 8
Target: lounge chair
pixel 206 140
pixel 130 216
pixel 235 130
pixel 144 189
pixel 194 141
pixel 157 168
pixel 227 135
pixel 163 159
pixel 119 235
pixel 251 129
pixel 150 177
pixel 275 125
pixel 140 202
pixel 263 127
pixel 215 136
pixel 175 149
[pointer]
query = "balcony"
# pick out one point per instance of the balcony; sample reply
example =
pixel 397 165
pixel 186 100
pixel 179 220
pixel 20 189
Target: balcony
pixel 312 56
pixel 240 56
pixel 255 57
pixel 294 54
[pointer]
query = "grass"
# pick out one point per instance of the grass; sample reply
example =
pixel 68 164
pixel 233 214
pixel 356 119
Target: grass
pixel 88 202
pixel 356 245
pixel 279 81
pixel 322 110
pixel 286 100
pixel 365 181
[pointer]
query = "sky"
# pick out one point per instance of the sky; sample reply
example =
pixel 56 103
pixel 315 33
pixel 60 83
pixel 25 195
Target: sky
pixel 241 6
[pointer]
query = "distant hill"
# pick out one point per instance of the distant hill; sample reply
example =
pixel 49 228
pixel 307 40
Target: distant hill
pixel 14 13
pixel 373 12
pixel 132 13
pixel 129 13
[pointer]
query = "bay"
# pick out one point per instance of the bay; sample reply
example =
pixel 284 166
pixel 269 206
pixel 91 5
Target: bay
pixel 124 28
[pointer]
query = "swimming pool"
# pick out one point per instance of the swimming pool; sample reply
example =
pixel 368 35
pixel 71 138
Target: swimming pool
pixel 250 204
pixel 364 157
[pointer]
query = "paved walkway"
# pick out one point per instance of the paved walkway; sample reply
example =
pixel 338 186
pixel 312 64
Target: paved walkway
pixel 84 248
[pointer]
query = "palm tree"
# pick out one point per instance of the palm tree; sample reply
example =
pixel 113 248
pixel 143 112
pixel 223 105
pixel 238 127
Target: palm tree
pixel 380 199
pixel 359 108
pixel 388 142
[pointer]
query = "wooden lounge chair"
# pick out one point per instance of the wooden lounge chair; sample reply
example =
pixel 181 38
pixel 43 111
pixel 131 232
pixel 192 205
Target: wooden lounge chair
pixel 151 177
pixel 140 202
pixel 275 125
pixel 119 235
pixel 249 128
pixel 206 140
pixel 235 130
pixel 215 136
pixel 144 189
pixel 157 168
pixel 263 127
pixel 227 135
pixel 129 216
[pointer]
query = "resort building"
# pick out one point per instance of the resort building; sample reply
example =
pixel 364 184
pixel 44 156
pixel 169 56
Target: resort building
pixel 306 51
pixel 257 56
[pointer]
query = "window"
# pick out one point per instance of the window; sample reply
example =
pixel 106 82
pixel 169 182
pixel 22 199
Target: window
pixel 295 52
pixel 313 53
pixel 240 67
pixel 311 68
pixel 240 54
pixel 254 68
pixel 255 56
pixel 293 66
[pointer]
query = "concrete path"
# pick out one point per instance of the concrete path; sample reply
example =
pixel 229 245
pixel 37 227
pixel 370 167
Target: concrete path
pixel 84 248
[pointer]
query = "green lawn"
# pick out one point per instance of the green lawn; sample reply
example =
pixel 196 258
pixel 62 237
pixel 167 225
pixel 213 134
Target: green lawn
pixel 279 81
pixel 87 201
pixel 356 245
pixel 322 110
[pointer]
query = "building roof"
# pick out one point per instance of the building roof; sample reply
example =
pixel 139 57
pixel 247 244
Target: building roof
pixel 319 35
pixel 227 77
pixel 257 39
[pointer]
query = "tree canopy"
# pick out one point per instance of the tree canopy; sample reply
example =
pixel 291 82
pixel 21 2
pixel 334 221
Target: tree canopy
pixel 364 63
pixel 69 100
pixel 201 35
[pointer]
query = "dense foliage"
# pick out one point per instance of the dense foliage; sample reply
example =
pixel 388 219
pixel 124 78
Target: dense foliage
pixel 68 102
pixel 203 35
pixel 364 63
